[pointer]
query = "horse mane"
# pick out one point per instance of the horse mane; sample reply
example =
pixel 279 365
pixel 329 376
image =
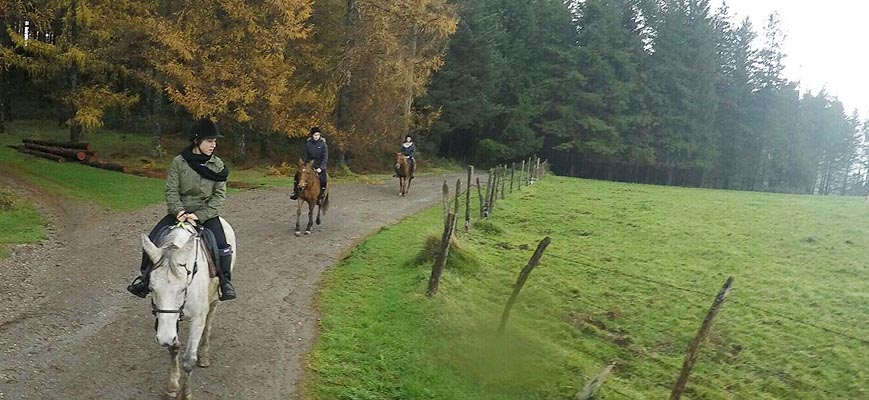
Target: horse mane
pixel 170 242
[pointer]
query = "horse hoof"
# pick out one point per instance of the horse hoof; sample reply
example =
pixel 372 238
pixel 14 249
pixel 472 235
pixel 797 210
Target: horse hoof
pixel 298 233
pixel 307 233
pixel 171 395
pixel 203 362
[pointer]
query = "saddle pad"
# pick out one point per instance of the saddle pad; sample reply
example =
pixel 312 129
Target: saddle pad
pixel 212 267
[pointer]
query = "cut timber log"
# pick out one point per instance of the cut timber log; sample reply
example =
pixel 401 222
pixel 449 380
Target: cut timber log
pixel 108 166
pixel 74 154
pixel 68 145
pixel 42 154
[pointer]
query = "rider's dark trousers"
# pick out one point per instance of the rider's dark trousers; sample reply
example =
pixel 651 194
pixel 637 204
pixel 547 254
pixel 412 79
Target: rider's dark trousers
pixel 213 225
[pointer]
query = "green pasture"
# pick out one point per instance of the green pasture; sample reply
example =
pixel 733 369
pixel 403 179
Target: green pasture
pixel 20 222
pixel 628 278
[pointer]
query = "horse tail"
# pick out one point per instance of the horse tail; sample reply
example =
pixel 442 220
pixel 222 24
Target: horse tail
pixel 325 206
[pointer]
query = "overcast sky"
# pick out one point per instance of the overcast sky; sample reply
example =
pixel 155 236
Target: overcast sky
pixel 825 44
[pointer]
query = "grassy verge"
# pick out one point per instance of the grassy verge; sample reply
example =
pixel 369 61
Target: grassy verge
pixel 109 189
pixel 20 222
pixel 630 273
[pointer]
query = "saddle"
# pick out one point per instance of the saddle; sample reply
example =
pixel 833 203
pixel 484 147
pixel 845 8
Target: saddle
pixel 208 243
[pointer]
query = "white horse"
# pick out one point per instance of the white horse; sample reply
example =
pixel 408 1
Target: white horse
pixel 182 287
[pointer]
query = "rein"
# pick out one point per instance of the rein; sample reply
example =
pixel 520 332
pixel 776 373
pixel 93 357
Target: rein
pixel 190 276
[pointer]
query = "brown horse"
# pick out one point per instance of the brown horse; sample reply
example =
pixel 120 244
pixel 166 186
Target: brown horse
pixel 403 172
pixel 309 191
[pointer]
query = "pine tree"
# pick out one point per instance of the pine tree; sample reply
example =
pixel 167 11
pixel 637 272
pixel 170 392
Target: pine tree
pixel 63 46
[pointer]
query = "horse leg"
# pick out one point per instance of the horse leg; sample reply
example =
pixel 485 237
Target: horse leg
pixel 407 187
pixel 197 327
pixel 400 186
pixel 204 359
pixel 174 373
pixel 318 213
pixel 310 218
pixel 298 215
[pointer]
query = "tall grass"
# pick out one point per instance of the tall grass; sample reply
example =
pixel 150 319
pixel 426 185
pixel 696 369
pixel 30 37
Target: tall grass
pixel 629 276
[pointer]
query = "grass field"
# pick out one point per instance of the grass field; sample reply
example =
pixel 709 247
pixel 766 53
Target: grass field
pixel 20 222
pixel 628 278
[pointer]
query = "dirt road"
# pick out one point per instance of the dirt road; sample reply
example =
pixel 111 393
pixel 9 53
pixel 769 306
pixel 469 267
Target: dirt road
pixel 69 330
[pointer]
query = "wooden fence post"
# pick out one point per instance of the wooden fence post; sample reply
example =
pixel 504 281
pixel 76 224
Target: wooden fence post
pixel 441 259
pixel 503 183
pixel 512 172
pixel 521 172
pixel 587 393
pixel 468 199
pixel 486 203
pixel 537 170
pixel 446 190
pixel 528 176
pixel 457 200
pixel 480 195
pixel 694 348
pixel 520 282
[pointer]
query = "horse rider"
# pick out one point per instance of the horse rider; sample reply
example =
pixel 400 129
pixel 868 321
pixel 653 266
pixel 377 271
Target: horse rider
pixel 317 150
pixel 195 191
pixel 408 148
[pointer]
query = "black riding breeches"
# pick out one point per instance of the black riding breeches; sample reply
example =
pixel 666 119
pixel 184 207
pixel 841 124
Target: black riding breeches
pixel 323 178
pixel 213 225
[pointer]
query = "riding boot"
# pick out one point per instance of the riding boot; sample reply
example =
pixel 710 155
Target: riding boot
pixel 140 286
pixel 227 292
pixel 320 196
pixel 295 194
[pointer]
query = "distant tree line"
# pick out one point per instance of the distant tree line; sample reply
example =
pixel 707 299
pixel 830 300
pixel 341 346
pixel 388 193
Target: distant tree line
pixel 261 68
pixel 654 91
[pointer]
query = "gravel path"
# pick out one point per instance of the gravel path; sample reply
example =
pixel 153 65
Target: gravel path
pixel 69 329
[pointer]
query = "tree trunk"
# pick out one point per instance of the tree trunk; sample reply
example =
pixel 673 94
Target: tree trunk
pixel 343 121
pixel 411 73
pixel 157 131
pixel 239 152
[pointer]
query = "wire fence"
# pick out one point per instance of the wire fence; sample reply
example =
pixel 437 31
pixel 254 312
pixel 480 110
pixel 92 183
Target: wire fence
pixel 505 180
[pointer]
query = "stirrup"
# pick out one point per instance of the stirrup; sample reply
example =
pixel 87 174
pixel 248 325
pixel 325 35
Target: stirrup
pixel 227 292
pixel 139 287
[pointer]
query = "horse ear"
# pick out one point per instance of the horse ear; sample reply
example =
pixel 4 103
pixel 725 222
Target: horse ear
pixel 151 249
pixel 301 163
pixel 310 164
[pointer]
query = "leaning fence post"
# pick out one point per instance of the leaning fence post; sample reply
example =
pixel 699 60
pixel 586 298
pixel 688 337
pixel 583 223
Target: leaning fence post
pixel 441 259
pixel 587 392
pixel 694 348
pixel 468 199
pixel 523 276
pixel 446 190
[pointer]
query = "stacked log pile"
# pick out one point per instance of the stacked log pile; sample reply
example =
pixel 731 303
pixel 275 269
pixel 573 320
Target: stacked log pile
pixel 62 151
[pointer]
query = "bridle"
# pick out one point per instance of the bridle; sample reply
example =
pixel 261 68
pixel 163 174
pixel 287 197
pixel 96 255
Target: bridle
pixel 190 275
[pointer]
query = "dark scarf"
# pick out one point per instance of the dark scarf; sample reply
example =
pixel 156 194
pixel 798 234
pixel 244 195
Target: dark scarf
pixel 197 162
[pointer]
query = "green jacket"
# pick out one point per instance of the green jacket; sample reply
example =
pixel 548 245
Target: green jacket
pixel 186 190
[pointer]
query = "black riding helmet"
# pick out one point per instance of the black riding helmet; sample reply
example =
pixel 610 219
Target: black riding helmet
pixel 314 130
pixel 203 128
